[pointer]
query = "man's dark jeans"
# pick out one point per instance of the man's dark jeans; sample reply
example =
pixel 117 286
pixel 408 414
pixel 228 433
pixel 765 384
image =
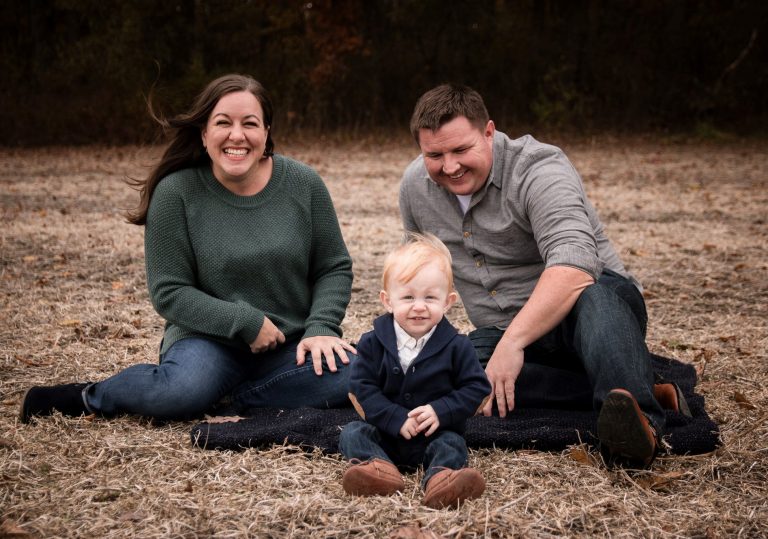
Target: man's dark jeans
pixel 598 347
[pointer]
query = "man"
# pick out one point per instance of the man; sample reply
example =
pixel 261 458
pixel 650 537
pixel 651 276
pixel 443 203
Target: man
pixel 560 322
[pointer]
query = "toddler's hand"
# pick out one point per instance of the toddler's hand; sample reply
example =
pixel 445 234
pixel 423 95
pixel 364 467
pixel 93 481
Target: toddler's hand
pixel 409 429
pixel 426 418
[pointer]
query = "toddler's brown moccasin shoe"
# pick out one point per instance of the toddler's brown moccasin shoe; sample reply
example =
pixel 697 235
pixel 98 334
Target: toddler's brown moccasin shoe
pixel 372 478
pixel 448 488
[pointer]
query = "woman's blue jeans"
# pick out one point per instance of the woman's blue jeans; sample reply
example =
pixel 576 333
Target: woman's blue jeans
pixel 195 373
pixel 443 449
pixel 598 347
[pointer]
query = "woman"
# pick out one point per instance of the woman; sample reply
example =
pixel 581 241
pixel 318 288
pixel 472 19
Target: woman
pixel 246 263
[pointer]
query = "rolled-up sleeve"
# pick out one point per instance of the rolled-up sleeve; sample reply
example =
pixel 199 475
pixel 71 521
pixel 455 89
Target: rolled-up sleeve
pixel 556 205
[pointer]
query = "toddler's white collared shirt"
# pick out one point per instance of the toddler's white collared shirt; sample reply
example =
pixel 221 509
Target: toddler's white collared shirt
pixel 408 347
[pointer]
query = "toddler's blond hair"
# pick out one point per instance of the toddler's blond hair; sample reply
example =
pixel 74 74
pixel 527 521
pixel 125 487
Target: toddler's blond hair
pixel 415 252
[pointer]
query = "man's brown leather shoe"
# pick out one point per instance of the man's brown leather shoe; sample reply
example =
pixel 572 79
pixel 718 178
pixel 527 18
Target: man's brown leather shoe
pixel 625 435
pixel 372 478
pixel 670 397
pixel 448 488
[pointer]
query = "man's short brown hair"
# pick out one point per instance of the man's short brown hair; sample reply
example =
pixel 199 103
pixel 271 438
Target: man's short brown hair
pixel 442 104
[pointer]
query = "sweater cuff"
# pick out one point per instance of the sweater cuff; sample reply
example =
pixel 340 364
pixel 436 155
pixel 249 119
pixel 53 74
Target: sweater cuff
pixel 317 330
pixel 248 322
pixel 575 257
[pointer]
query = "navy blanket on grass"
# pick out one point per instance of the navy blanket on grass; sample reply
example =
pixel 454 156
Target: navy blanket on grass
pixel 531 428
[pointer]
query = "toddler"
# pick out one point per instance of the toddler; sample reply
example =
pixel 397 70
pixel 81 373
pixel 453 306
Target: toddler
pixel 415 383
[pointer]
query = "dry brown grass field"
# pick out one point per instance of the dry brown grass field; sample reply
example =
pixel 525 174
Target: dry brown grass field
pixel 689 219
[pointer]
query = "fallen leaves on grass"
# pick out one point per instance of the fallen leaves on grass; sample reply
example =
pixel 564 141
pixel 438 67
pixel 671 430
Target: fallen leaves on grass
pixel 659 481
pixel 223 419
pixel 743 401
pixel 413 531
pixel 83 265
pixel 11 529
pixel 581 454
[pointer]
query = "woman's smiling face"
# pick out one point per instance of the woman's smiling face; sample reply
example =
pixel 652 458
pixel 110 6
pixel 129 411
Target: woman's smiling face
pixel 235 137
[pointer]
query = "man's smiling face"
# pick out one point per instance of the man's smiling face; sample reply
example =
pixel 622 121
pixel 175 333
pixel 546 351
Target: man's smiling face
pixel 458 156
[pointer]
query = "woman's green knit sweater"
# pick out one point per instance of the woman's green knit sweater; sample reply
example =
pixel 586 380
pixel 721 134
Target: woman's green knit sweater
pixel 217 262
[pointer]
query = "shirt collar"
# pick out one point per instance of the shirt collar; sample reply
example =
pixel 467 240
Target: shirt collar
pixel 405 340
pixel 498 151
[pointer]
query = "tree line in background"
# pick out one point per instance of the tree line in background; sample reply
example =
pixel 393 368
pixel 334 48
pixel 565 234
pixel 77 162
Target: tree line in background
pixel 79 71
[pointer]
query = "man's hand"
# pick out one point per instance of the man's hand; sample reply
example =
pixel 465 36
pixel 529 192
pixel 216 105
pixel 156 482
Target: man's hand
pixel 426 417
pixel 268 338
pixel 502 370
pixel 323 346
pixel 410 428
pixel 552 299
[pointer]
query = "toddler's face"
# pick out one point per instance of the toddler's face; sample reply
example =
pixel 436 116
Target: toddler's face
pixel 419 304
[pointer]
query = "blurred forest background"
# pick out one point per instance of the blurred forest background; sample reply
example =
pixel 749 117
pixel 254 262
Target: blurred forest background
pixel 80 71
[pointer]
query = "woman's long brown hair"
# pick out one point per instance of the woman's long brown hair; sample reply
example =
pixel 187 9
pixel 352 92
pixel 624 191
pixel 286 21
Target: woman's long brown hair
pixel 186 149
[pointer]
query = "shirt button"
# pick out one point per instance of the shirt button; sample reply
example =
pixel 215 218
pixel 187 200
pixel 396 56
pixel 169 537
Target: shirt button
pixel 479 263
pixel 407 396
pixel 493 292
pixel 467 234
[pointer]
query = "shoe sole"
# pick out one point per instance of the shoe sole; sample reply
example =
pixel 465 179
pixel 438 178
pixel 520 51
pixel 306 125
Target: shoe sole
pixel 356 487
pixel 682 403
pixel 25 417
pixel 622 432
